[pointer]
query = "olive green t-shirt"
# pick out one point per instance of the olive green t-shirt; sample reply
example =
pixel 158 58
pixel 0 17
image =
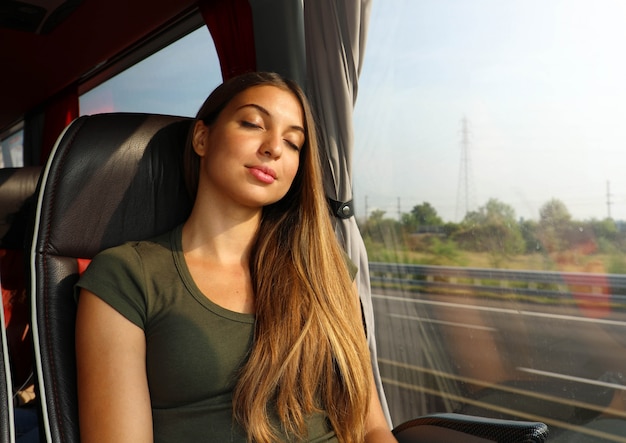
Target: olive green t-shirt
pixel 194 348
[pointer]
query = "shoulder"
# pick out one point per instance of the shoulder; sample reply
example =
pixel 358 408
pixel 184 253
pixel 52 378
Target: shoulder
pixel 125 276
pixel 133 252
pixel 129 261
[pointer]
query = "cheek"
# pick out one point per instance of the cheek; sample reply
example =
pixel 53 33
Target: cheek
pixel 294 164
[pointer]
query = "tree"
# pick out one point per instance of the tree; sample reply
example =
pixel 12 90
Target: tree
pixel 528 229
pixel 555 223
pixel 426 215
pixel 493 229
pixel 494 212
pixel 376 216
pixel 554 212
pixel 381 230
pixel 606 229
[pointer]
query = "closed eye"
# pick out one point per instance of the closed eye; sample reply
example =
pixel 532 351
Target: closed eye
pixel 248 124
pixel 293 145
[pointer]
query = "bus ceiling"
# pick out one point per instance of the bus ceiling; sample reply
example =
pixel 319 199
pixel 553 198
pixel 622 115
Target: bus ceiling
pixel 36 16
pixel 50 45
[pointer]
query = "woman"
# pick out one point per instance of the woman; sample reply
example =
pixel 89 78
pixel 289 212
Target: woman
pixel 243 324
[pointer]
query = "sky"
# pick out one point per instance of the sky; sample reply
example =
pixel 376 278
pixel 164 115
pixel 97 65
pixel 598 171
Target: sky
pixel 540 85
pixel 174 81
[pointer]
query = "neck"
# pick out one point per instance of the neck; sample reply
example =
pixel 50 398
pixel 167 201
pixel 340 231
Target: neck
pixel 222 238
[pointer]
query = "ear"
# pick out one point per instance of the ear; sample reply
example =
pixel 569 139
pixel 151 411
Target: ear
pixel 200 138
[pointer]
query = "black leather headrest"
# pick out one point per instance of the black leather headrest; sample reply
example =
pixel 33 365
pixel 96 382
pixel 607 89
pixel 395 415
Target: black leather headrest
pixel 115 177
pixel 17 186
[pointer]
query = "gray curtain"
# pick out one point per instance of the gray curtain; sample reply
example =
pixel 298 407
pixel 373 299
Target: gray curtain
pixel 332 39
pixel 335 33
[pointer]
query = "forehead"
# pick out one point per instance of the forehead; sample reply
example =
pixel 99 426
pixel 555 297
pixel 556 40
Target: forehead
pixel 277 101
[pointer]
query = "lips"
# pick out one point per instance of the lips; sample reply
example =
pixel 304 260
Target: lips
pixel 263 174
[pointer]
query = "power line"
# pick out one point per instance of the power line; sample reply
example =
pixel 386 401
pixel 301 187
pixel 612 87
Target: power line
pixel 464 195
pixel 608 198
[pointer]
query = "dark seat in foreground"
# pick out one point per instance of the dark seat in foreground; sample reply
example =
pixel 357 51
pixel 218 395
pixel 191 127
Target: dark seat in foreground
pixel 113 178
pixel 17 185
pixel 447 428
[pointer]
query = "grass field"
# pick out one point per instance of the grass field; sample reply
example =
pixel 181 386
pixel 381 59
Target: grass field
pixel 566 261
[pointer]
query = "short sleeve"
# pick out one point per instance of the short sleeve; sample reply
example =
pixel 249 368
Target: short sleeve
pixel 116 276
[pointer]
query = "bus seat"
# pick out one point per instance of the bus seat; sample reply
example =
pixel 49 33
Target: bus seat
pixel 110 178
pixel 449 428
pixel 7 428
pixel 17 186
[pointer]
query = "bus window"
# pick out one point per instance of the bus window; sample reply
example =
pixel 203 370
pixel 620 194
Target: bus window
pixel 490 194
pixel 12 150
pixel 173 81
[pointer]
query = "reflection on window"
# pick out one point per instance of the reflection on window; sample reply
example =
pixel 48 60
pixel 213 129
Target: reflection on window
pixel 173 81
pixel 12 150
pixel 490 194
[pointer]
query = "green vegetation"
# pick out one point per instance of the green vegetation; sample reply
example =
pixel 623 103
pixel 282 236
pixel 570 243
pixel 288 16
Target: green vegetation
pixel 492 237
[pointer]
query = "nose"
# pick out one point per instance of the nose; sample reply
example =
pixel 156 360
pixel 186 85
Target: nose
pixel 272 145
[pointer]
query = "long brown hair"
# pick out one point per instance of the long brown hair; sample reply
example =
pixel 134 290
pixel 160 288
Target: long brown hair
pixel 309 352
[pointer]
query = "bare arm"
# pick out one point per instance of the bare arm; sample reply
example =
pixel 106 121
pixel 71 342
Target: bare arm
pixel 113 396
pixel 377 429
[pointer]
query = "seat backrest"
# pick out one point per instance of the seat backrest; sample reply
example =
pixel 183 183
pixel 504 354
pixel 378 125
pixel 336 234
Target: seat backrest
pixel 7 427
pixel 17 186
pixel 111 178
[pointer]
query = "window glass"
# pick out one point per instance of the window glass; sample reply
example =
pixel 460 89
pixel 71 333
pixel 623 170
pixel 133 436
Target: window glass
pixel 174 81
pixel 12 150
pixel 489 189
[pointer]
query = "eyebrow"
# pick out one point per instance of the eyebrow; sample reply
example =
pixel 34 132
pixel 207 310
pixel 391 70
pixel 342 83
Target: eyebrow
pixel 266 112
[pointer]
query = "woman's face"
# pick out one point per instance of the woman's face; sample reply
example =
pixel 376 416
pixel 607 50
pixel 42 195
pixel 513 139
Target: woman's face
pixel 250 154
